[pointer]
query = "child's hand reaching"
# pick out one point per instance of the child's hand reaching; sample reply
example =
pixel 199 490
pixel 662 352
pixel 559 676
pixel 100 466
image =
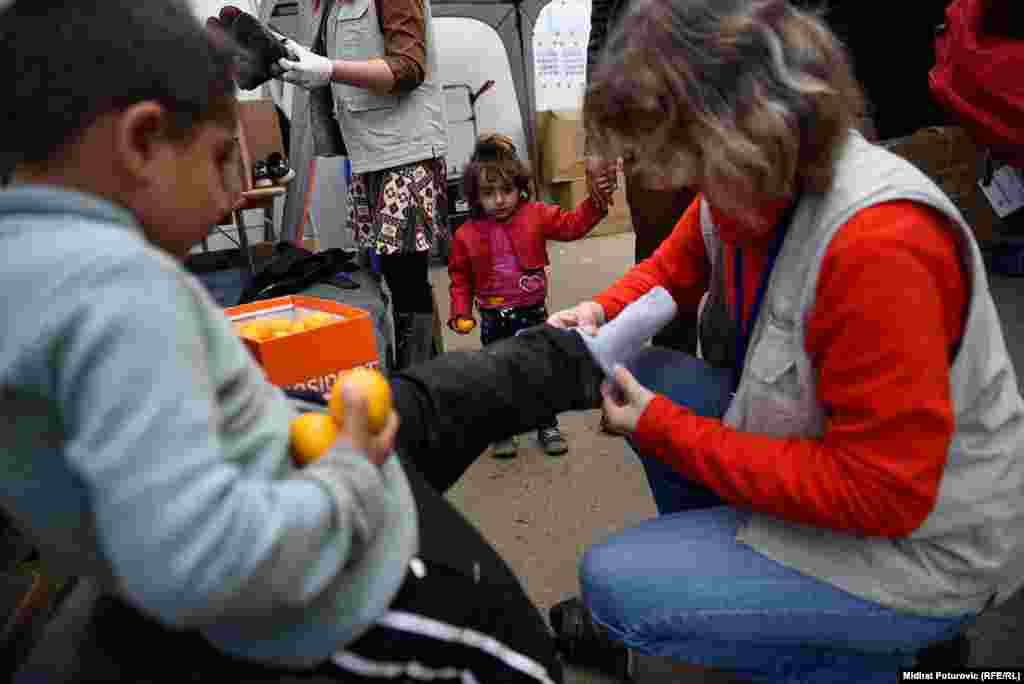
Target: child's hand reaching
pixel 462 325
pixel 606 186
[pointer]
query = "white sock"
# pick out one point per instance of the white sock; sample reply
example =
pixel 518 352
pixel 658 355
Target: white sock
pixel 618 340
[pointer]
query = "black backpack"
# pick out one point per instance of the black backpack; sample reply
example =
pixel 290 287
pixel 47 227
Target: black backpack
pixel 294 269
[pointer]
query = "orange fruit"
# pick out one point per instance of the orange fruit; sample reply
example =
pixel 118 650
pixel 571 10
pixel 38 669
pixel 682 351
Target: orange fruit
pixel 370 384
pixel 255 330
pixel 279 324
pixel 318 319
pixel 465 324
pixel 311 434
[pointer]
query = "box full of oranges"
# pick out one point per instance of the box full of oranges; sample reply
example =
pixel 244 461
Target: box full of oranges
pixel 305 342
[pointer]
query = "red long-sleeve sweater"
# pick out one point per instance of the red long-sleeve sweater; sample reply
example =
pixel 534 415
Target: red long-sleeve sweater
pixel 888 316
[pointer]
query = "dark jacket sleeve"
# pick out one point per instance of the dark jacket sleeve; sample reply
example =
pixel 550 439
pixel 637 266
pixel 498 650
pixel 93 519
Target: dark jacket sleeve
pixel 604 14
pixel 454 405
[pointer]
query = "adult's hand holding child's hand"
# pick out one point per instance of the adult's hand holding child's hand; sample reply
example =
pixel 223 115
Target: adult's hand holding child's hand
pixel 587 316
pixel 623 408
pixel 602 177
pixel 377 447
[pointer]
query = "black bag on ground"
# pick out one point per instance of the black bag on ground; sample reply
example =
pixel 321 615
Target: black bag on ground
pixel 293 269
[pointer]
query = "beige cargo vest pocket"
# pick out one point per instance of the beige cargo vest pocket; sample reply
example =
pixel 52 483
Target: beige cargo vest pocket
pixel 355 34
pixel 770 394
pixel 351 26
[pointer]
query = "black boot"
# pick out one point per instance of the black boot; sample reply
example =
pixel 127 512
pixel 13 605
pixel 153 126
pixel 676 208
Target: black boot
pixel 260 47
pixel 945 655
pixel 583 642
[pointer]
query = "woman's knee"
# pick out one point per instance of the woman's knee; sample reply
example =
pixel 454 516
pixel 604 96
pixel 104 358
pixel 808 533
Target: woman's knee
pixel 604 574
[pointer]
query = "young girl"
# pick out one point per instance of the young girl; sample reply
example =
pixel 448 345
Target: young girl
pixel 498 257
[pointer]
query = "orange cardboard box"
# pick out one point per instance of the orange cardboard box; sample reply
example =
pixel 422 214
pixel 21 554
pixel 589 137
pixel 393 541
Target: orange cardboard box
pixel 310 359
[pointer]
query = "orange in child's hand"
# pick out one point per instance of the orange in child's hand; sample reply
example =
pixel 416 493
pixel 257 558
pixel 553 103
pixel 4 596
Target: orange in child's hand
pixel 370 384
pixel 465 324
pixel 311 434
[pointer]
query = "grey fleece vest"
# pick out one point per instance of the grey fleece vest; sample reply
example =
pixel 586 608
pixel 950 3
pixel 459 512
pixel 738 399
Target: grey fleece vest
pixel 970 550
pixel 383 131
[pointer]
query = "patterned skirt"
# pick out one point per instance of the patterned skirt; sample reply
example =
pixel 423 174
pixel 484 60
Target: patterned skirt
pixel 402 209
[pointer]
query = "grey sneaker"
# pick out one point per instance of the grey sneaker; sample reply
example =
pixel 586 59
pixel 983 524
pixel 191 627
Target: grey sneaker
pixel 552 441
pixel 506 448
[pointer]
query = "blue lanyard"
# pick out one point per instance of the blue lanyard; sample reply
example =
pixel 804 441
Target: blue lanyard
pixel 743 332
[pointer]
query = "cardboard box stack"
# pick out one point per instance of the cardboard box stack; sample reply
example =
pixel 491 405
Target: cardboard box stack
pixel 334 337
pixel 954 161
pixel 561 172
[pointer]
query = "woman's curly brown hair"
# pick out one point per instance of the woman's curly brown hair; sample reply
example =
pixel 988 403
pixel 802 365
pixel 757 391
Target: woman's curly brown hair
pixel 746 99
pixel 494 162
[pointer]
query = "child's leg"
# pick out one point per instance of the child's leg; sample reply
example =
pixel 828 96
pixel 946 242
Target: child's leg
pixel 528 317
pixel 492 631
pixel 454 406
pixel 413 304
pixel 508 638
pixel 493 327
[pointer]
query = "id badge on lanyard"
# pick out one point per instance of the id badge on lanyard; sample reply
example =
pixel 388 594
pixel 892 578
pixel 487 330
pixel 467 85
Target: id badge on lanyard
pixel 743 332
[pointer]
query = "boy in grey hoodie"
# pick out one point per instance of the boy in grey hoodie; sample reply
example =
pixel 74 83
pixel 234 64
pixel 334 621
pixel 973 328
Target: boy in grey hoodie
pixel 142 449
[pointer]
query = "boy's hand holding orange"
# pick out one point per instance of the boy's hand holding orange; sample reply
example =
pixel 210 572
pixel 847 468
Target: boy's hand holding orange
pixel 360 409
pixel 463 325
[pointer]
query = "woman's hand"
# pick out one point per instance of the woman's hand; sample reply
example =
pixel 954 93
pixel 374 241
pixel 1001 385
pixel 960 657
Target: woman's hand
pixel 308 70
pixel 624 401
pixel 602 177
pixel 587 316
pixel 356 430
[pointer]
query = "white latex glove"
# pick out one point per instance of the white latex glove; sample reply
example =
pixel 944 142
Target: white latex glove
pixel 308 70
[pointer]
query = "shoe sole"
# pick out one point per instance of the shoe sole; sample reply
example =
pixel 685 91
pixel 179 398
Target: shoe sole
pixel 506 453
pixel 285 179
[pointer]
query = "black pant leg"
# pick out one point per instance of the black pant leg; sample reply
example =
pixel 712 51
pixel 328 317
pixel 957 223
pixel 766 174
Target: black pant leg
pixel 407 276
pixel 466 586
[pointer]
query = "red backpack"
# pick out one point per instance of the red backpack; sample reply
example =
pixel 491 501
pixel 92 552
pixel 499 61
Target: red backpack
pixel 979 72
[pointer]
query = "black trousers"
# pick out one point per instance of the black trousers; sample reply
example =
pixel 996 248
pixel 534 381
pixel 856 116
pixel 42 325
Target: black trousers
pixel 461 609
pixel 408 280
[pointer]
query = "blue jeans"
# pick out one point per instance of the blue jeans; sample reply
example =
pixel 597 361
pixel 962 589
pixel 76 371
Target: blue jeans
pixel 680 586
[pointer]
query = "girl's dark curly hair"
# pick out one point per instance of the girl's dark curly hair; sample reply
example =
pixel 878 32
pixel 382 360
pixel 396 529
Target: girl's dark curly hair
pixel 494 162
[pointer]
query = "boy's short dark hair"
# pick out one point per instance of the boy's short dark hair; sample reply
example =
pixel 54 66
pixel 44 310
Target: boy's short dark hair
pixel 68 62
pixel 494 160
